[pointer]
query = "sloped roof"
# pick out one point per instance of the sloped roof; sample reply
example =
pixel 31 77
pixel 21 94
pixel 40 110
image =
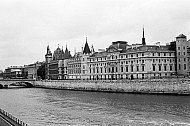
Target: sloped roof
pixel 181 36
pixel 86 49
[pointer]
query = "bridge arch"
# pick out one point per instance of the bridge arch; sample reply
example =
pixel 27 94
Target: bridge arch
pixel 1 86
pixel 28 84
pixel 22 83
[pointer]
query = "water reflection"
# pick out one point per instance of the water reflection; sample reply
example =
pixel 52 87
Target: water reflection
pixel 62 107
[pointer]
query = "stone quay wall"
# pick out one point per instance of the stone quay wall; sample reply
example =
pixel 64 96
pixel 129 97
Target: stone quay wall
pixel 157 86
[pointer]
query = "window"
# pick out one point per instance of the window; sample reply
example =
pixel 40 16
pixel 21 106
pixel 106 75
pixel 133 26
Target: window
pixel 183 53
pixel 164 54
pixel 112 69
pixel 126 56
pixel 170 67
pixel 153 67
pixel 97 70
pixel 164 67
pixel 179 67
pixel 131 68
pixel 142 67
pixel 131 55
pixel 183 47
pixel 178 53
pixel 137 68
pixel 105 70
pixel 184 66
pixel 101 70
pixel 160 67
pixel 178 48
pixel 142 54
pixel 142 61
pixel 152 54
pixel 184 59
pixel 121 69
pixel 153 60
pixel 126 68
pixel 158 54
pixel 137 55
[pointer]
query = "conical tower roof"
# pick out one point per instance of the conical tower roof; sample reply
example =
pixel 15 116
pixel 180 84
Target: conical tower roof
pixel 86 48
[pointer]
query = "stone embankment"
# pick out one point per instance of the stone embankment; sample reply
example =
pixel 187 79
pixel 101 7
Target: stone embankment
pixel 156 86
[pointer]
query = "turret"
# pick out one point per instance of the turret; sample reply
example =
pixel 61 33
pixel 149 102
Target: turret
pixel 48 55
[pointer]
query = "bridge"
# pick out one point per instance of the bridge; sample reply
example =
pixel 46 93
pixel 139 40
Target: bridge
pixel 23 82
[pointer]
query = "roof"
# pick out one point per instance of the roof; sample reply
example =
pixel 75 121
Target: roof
pixel 86 49
pixel 181 36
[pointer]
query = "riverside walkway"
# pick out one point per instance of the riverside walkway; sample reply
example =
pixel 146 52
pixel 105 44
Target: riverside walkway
pixel 6 119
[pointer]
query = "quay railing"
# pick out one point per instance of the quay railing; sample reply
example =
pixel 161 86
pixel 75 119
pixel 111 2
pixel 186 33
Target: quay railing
pixel 11 119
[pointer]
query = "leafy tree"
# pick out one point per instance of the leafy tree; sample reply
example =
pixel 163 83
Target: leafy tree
pixel 41 71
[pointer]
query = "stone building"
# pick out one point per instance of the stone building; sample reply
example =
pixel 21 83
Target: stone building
pixel 54 66
pixel 122 61
pixel 138 61
pixel 14 72
pixel 77 65
pixel 31 70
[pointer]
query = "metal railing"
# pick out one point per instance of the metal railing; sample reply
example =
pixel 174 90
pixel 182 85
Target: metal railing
pixel 11 119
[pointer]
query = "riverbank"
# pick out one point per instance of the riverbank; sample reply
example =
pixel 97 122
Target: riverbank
pixel 146 86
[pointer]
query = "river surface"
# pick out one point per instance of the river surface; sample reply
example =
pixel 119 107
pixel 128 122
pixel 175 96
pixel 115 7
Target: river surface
pixel 48 107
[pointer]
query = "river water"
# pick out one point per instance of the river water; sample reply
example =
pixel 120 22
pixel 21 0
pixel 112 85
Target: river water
pixel 48 107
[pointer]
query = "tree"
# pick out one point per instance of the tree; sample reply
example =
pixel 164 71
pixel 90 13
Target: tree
pixel 41 71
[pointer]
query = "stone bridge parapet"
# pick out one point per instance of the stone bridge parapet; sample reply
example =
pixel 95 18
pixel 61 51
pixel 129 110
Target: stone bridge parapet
pixel 7 82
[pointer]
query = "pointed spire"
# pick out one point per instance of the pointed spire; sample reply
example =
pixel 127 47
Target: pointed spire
pixel 143 38
pixel 86 48
pixel 48 50
pixel 92 49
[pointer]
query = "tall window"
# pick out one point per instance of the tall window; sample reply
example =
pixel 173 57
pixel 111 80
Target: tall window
pixel 160 67
pixel 137 68
pixel 164 67
pixel 153 67
pixel 131 68
pixel 184 66
pixel 126 68
pixel 112 69
pixel 142 67
pixel 170 67
pixel 121 69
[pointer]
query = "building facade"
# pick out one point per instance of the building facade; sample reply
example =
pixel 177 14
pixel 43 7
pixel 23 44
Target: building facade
pixel 123 61
pixel 14 72
pixel 31 70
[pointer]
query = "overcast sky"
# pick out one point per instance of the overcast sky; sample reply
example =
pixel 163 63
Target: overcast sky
pixel 27 26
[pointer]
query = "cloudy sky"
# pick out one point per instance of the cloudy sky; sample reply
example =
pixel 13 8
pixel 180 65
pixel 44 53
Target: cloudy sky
pixel 28 26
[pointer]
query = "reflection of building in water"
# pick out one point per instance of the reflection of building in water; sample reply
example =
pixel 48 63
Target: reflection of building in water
pixel 121 61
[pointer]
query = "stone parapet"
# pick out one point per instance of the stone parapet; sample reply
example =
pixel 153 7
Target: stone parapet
pixel 159 86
